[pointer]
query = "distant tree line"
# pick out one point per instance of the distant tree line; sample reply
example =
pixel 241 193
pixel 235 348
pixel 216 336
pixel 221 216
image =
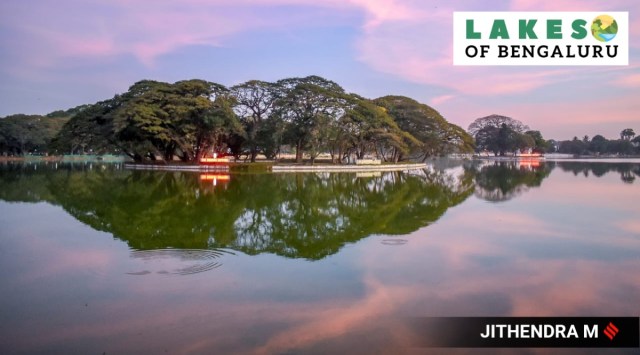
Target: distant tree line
pixel 21 134
pixel 501 135
pixel 599 145
pixel 312 115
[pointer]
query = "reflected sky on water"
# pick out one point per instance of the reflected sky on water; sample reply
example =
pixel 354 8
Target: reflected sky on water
pixel 103 259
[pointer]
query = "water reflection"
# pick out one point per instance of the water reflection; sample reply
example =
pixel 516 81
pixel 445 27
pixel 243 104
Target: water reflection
pixel 177 261
pixel 498 181
pixel 628 172
pixel 299 216
pixel 568 247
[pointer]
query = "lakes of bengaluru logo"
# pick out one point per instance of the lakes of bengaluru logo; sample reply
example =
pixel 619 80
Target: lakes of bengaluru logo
pixel 540 38
pixel 604 28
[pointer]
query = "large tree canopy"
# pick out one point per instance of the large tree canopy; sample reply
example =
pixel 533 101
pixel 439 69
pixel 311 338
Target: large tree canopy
pixel 435 135
pixel 255 106
pixel 496 121
pixel 309 106
pixel 501 134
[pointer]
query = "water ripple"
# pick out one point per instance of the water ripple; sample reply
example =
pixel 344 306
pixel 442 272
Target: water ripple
pixel 177 261
pixel 395 241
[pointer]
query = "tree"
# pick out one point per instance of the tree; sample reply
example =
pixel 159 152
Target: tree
pixel 540 144
pixel 255 103
pixel 496 121
pixel 309 106
pixel 598 144
pixel 367 127
pixel 523 142
pixel 158 120
pixel 204 114
pixel 165 120
pixel 155 119
pixel 575 146
pixel 22 134
pixel 435 135
pixel 627 134
pixel 502 140
pixel 90 129
pixel 506 139
pixel 67 113
pixel 552 146
pixel 620 146
pixel 501 134
pixel 486 139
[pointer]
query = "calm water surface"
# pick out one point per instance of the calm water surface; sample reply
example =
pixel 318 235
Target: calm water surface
pixel 97 259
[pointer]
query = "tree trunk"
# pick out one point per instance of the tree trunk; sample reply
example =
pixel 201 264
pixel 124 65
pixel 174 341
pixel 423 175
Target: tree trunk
pixel 299 152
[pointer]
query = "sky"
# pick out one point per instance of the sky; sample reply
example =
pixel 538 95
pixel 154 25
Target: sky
pixel 63 53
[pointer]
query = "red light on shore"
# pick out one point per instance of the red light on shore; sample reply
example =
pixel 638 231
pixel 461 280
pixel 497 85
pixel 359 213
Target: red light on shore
pixel 212 177
pixel 214 160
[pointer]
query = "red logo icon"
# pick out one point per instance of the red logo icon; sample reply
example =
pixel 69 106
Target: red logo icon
pixel 610 331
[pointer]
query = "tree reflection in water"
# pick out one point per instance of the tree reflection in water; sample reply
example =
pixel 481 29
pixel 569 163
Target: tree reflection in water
pixel 498 181
pixel 294 215
pixel 628 172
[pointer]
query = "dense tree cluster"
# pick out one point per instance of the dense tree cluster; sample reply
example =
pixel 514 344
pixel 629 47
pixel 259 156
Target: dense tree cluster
pixel 187 119
pixel 501 134
pixel 599 145
pixel 21 134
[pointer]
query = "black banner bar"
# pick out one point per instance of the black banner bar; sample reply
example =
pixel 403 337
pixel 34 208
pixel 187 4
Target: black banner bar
pixel 526 332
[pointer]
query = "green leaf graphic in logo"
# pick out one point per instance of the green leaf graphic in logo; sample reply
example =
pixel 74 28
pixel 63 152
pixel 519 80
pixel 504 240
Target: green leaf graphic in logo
pixel 604 28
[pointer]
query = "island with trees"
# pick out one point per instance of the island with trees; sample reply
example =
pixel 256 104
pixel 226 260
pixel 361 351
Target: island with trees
pixel 159 122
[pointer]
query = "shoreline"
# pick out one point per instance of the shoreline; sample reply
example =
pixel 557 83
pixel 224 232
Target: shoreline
pixel 288 168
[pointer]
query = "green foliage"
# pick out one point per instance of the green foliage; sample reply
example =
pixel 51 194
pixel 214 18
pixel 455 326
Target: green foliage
pixel 539 143
pixel 627 134
pixel 501 134
pixel 22 134
pixel 432 133
pixel 67 113
pixel 255 106
pixel 185 120
pixel 496 121
pixel 89 130
pixel 599 145
pixel 309 107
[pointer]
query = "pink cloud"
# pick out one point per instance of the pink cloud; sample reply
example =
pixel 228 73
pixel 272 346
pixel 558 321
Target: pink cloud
pixel 632 81
pixel 630 226
pixel 441 99
pixel 416 51
pixel 148 29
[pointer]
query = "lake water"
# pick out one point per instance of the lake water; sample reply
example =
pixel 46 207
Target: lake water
pixel 98 259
